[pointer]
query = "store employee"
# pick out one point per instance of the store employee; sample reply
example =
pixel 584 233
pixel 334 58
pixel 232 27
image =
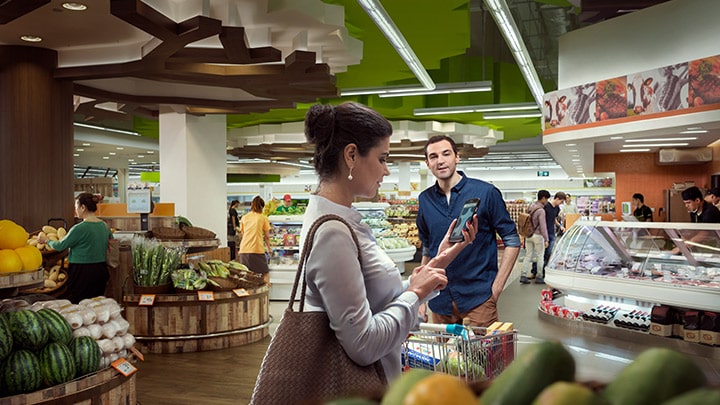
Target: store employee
pixel 700 210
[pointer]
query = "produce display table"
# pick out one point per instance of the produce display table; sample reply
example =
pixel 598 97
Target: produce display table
pixel 106 387
pixel 9 283
pixel 178 323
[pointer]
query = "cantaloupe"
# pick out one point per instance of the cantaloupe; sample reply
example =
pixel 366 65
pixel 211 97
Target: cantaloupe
pixel 10 261
pixel 30 256
pixel 12 235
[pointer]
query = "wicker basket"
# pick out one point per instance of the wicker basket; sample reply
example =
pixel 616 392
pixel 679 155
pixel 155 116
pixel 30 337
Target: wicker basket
pixel 52 291
pixel 165 232
pixel 195 232
pixel 225 283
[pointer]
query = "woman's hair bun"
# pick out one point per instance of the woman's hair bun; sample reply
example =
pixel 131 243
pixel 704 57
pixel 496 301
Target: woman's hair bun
pixel 319 123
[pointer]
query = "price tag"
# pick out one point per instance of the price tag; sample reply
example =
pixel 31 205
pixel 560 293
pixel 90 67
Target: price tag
pixel 124 367
pixel 137 353
pixel 206 296
pixel 147 300
pixel 241 292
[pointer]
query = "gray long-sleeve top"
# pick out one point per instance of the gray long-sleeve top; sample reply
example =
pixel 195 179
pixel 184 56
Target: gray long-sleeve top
pixel 369 308
pixel 538 220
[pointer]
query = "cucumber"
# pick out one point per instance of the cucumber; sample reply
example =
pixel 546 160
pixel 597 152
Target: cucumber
pixel 533 370
pixel 656 375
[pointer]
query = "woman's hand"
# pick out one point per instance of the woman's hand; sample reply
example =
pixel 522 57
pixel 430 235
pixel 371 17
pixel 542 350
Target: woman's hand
pixel 448 251
pixel 426 279
pixel 41 239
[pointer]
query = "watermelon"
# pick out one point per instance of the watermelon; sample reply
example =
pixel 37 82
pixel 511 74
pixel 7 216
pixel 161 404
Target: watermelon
pixel 56 364
pixel 28 330
pixel 20 373
pixel 6 340
pixel 59 329
pixel 86 354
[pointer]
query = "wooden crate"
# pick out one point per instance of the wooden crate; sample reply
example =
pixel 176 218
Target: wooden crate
pixel 106 387
pixel 179 323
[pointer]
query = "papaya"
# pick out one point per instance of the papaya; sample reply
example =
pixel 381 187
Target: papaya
pixel 655 375
pixel 533 370
pixel 569 393
pixel 699 396
pixel 397 390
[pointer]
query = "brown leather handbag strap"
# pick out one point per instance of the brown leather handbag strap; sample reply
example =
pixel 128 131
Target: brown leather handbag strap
pixel 307 245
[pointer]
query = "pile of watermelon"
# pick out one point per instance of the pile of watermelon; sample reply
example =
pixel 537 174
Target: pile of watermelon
pixel 38 349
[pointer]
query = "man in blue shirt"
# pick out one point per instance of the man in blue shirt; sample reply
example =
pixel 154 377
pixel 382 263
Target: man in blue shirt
pixel 474 279
pixel 552 209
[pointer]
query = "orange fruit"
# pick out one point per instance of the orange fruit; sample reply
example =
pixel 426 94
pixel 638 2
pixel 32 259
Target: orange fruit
pixel 9 261
pixel 12 235
pixel 30 256
pixel 440 389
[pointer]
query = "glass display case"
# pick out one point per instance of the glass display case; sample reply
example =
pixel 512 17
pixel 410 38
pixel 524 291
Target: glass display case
pixel 654 263
pixel 285 244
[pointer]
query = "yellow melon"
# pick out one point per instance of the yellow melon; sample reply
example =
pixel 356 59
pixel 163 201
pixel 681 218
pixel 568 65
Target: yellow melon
pixel 9 261
pixel 12 235
pixel 30 256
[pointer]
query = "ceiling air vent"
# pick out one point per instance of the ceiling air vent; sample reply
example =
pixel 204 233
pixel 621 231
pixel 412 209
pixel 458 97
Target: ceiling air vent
pixel 684 156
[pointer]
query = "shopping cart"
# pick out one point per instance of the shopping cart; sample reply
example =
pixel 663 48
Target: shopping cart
pixel 466 352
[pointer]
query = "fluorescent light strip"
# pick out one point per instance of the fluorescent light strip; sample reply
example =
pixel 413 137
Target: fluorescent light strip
pixel 656 145
pixel 444 88
pixel 475 108
pixel 503 115
pixel 503 18
pixel 377 13
pixel 694 131
pixel 634 150
pixel 119 131
pixel 687 138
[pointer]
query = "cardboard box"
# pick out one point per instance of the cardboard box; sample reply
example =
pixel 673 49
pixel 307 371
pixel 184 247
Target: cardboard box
pixel 661 330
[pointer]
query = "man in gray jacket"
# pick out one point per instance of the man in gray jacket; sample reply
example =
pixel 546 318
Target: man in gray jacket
pixel 536 243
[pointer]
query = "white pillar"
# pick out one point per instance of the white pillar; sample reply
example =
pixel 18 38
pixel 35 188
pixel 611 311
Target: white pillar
pixel 122 176
pixel 193 169
pixel 404 176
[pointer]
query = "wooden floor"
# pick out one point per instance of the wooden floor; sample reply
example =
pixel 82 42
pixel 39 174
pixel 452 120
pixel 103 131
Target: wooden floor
pixel 218 377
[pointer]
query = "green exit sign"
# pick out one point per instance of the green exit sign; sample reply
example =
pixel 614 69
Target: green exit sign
pixel 543 173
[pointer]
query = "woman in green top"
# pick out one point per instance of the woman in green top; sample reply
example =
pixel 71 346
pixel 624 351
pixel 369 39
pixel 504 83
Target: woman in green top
pixel 88 243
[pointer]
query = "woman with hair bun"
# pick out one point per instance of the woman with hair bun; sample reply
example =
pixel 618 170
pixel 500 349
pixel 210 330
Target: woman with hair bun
pixel 88 244
pixel 370 307
pixel 255 239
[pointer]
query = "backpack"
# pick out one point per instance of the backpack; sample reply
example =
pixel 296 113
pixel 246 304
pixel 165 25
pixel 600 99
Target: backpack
pixel 526 228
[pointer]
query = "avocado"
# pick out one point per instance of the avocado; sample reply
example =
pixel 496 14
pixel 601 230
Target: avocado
pixel 656 375
pixel 699 396
pixel 533 370
pixel 568 393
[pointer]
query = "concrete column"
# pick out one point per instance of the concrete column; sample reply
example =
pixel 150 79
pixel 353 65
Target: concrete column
pixel 122 176
pixel 404 176
pixel 193 169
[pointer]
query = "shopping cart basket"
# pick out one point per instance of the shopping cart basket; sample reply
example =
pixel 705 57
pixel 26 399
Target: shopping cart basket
pixel 467 352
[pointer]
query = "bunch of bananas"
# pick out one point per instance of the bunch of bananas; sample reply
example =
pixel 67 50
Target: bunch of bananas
pixel 50 233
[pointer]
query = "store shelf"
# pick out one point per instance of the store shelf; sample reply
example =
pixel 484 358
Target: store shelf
pixel 660 292
pixel 402 255
pixel 286 219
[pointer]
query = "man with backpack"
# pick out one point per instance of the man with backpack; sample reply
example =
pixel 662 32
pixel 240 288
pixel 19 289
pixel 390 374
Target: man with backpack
pixel 536 235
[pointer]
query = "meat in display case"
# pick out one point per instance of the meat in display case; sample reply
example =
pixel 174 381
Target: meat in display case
pixel 662 263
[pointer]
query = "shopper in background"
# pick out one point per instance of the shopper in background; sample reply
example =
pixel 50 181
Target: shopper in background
pixel 232 225
pixel 88 243
pixel 713 197
pixel 286 204
pixel 371 309
pixel 255 239
pixel 552 210
pixel 536 243
pixel 642 212
pixel 568 207
pixel 699 209
pixel 474 280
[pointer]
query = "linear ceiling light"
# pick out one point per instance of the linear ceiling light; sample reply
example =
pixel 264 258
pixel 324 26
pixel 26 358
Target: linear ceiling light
pixel 656 145
pixel 119 131
pixel 511 114
pixel 685 138
pixel 443 88
pixel 377 13
pixel 475 108
pixel 503 18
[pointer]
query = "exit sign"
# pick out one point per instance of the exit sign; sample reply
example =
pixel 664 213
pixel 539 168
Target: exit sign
pixel 543 173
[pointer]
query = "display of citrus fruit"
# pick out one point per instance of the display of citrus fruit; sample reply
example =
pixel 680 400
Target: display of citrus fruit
pixel 30 256
pixel 12 235
pixel 10 261
pixel 440 389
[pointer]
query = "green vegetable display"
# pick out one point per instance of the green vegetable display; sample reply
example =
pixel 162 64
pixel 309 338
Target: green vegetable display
pixel 152 262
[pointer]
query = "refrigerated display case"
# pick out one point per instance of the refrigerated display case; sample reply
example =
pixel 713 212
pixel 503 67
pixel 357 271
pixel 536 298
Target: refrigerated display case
pixel 285 244
pixel 640 263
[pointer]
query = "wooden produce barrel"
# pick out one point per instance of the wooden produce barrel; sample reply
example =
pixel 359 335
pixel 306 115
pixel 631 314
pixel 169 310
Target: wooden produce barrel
pixel 178 323
pixel 106 387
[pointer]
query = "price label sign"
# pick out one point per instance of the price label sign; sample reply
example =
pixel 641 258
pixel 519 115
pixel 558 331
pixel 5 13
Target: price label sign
pixel 206 296
pixel 241 292
pixel 137 353
pixel 147 300
pixel 124 367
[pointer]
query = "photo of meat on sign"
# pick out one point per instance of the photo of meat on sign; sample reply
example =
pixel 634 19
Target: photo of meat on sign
pixel 657 90
pixel 568 107
pixel 704 81
pixel 611 99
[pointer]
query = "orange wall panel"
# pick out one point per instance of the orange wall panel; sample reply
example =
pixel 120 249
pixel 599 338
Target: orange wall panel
pixel 640 173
